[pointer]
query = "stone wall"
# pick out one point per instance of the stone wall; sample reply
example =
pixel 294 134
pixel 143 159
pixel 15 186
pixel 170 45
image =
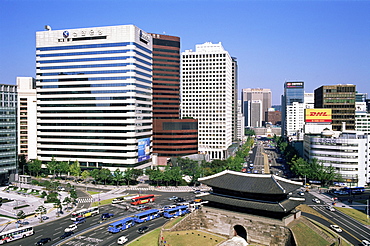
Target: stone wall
pixel 260 230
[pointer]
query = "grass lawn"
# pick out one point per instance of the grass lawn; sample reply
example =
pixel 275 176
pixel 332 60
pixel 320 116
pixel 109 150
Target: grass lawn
pixel 172 222
pixel 92 192
pixel 186 238
pixel 306 236
pixel 357 215
pixel 149 239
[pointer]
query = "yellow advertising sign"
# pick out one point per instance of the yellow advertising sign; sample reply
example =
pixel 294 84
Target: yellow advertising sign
pixel 318 115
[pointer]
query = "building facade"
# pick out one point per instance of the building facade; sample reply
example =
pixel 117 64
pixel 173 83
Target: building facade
pixel 292 108
pixel 207 96
pixel 8 133
pixel 347 152
pixel 235 98
pixel 172 136
pixel 27 111
pixel 94 96
pixel 253 94
pixel 342 100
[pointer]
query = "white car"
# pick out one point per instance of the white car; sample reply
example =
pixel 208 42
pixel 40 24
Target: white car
pixel 172 198
pixel 365 242
pixel 122 240
pixel 335 228
pixel 330 208
pixel 316 200
pixel 70 228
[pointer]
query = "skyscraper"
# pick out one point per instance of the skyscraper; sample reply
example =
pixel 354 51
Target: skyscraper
pixel 94 93
pixel 27 123
pixel 207 95
pixel 342 100
pixel 172 136
pixel 265 98
pixel 8 133
pixel 292 108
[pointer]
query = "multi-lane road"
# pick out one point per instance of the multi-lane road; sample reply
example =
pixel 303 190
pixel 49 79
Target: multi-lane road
pixel 95 233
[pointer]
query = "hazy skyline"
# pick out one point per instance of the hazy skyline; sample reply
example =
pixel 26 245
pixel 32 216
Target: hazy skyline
pixel 318 42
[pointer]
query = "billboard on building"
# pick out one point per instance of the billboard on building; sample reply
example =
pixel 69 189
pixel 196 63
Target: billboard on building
pixel 318 115
pixel 294 85
pixel 143 149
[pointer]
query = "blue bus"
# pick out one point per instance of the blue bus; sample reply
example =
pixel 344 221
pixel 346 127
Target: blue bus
pixel 121 225
pixel 353 190
pixel 146 215
pixel 174 212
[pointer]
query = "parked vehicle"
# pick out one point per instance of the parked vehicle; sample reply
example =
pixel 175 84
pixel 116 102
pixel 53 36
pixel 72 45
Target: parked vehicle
pixel 44 217
pixel 42 241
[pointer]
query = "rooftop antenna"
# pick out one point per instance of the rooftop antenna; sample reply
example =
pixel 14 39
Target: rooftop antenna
pixel 47 27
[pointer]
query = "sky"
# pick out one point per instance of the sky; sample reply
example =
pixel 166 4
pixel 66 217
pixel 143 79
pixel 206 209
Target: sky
pixel 317 42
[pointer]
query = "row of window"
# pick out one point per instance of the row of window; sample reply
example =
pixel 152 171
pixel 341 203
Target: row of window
pixel 96 72
pixel 112 98
pixel 93 92
pixel 203 55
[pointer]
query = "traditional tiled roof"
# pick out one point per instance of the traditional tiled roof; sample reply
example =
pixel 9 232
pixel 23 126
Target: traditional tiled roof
pixel 251 183
pixel 284 206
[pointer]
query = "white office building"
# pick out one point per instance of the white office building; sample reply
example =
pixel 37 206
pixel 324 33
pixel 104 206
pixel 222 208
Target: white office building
pixel 346 151
pixel 94 96
pixel 27 111
pixel 206 92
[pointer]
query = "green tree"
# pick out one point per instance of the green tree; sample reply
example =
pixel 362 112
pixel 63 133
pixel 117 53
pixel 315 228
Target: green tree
pixel 52 166
pixel 155 175
pixel 73 194
pixel 74 169
pixel 67 200
pixel 117 176
pixel 128 175
pixel 85 174
pixel 34 166
pixel 105 175
pixel 22 164
pixel 41 210
pixel 95 173
pixel 63 167
pixel 21 215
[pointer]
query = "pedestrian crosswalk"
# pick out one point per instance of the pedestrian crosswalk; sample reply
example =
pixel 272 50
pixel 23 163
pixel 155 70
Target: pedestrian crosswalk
pixel 85 200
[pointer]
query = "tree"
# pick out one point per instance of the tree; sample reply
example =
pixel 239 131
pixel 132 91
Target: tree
pixel 34 166
pixel 63 167
pixel 95 173
pixel 128 175
pixel 67 200
pixel 52 166
pixel 21 215
pixel 105 175
pixel 85 174
pixel 155 175
pixel 40 210
pixel 73 195
pixel 117 176
pixel 75 169
pixel 22 163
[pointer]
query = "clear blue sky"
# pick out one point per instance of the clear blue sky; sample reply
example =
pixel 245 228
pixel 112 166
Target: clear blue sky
pixel 318 42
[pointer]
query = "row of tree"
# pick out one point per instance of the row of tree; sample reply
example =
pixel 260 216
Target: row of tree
pixel 312 169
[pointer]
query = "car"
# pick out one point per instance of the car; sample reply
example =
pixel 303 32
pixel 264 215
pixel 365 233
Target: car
pixel 146 208
pixel 44 217
pixel 197 192
pixel 79 220
pixel 365 242
pixel 122 240
pixel 301 193
pixel 66 234
pixel 42 241
pixel 117 200
pixel 169 206
pixel 143 229
pixel 140 207
pixel 315 200
pixel 179 199
pixel 330 208
pixel 105 216
pixel 71 228
pixel 335 228
pixel 172 198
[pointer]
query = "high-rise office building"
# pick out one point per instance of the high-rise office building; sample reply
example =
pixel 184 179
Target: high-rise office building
pixel 342 100
pixel 172 136
pixel 94 96
pixel 292 108
pixel 207 95
pixel 235 98
pixel 253 94
pixel 8 133
pixel 27 123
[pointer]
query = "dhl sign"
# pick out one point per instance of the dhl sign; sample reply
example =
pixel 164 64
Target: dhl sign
pixel 319 115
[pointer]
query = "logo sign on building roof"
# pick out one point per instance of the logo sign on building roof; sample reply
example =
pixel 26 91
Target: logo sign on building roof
pixel 294 84
pixel 318 115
